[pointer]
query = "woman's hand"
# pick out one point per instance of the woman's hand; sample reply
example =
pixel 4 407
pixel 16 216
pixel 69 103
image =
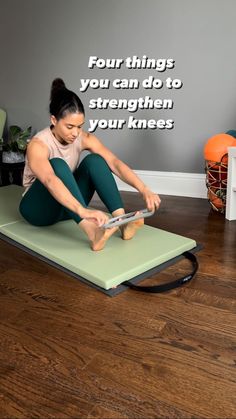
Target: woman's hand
pixel 96 216
pixel 152 200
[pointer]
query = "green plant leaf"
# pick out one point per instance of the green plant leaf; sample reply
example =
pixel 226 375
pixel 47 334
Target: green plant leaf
pixel 22 144
pixel 14 132
pixel 17 139
pixel 24 135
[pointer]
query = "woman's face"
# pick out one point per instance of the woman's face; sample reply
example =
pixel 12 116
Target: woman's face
pixel 67 129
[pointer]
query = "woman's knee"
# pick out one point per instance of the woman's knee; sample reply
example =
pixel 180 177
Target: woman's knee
pixel 94 160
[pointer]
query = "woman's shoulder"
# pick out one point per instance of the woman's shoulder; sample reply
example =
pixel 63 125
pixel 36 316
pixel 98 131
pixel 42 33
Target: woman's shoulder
pixel 87 140
pixel 43 134
pixel 41 139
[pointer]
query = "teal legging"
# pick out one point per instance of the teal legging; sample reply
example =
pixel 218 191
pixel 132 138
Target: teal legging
pixel 40 208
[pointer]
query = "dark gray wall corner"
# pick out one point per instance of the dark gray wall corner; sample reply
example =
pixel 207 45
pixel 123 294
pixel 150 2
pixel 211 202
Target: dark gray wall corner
pixel 45 39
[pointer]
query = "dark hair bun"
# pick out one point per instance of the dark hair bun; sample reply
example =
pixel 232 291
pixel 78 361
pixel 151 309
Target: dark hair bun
pixel 57 85
pixel 63 101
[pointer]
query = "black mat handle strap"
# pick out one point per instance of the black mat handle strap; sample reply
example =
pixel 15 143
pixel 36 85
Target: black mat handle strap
pixel 170 285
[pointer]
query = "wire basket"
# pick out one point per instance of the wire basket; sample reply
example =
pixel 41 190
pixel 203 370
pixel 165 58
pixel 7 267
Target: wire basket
pixel 216 182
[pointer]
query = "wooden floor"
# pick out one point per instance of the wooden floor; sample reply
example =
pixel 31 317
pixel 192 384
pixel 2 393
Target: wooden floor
pixel 69 351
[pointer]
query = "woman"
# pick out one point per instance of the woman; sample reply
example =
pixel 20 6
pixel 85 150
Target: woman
pixel 59 188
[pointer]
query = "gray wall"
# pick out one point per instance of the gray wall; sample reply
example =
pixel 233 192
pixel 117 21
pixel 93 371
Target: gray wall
pixel 41 40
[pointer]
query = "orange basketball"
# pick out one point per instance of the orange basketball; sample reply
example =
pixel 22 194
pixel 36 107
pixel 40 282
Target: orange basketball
pixel 216 148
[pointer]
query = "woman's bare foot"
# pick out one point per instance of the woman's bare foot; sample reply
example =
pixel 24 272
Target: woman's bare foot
pixel 97 236
pixel 129 230
pixel 101 236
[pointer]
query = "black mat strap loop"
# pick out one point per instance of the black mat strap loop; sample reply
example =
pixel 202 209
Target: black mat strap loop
pixel 170 285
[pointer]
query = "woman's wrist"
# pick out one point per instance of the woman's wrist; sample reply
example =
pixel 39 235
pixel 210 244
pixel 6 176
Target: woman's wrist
pixel 80 211
pixel 144 188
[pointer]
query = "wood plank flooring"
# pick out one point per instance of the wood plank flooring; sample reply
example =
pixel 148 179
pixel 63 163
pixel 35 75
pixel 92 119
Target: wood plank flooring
pixel 69 351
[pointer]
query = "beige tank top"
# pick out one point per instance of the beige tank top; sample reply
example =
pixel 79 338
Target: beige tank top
pixel 69 152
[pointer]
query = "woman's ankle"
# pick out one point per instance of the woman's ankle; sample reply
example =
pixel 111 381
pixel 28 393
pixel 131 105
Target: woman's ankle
pixel 119 211
pixel 89 228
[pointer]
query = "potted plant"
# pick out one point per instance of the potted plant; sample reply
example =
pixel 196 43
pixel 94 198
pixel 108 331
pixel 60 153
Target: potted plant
pixel 13 150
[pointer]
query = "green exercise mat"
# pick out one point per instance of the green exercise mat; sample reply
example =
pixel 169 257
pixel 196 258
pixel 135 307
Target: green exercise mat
pixel 65 246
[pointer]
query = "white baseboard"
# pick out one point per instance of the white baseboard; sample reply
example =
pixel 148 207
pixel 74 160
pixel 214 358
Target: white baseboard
pixel 170 183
